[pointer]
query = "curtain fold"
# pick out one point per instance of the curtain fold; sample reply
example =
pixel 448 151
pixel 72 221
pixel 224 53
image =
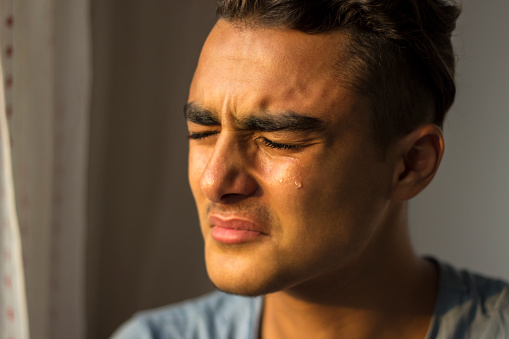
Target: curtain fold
pixel 13 316
pixel 46 53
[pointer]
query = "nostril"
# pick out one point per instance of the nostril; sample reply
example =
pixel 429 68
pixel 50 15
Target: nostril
pixel 228 186
pixel 232 198
pixel 227 182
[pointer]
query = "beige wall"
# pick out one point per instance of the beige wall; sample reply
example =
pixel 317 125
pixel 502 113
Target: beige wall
pixel 145 248
pixel 463 216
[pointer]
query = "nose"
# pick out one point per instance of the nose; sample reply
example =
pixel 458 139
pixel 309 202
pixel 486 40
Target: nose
pixel 227 177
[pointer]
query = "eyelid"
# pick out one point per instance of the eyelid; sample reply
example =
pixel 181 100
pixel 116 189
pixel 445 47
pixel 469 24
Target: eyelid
pixel 260 139
pixel 201 135
pixel 279 145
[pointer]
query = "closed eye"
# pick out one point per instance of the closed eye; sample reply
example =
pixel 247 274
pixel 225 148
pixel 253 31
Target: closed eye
pixel 277 145
pixel 202 135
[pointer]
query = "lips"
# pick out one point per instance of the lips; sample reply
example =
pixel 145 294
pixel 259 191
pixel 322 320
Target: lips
pixel 235 230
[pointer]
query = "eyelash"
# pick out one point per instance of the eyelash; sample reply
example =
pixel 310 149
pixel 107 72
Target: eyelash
pixel 267 142
pixel 277 145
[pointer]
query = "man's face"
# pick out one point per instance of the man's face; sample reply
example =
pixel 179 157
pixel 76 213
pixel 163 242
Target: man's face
pixel 282 165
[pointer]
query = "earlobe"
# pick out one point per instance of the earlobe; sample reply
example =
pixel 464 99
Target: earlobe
pixel 420 153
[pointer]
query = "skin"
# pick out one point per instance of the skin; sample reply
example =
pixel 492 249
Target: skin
pixel 277 141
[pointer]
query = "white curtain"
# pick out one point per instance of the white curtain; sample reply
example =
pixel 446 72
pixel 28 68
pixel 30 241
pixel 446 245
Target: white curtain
pixel 46 72
pixel 13 316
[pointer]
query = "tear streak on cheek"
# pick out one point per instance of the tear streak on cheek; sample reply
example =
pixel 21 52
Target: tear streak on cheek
pixel 283 172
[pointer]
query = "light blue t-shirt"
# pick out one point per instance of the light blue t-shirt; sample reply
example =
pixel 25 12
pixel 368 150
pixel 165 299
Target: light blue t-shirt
pixel 467 306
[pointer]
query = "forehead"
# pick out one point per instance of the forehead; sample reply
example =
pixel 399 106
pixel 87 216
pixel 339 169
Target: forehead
pixel 273 45
pixel 242 69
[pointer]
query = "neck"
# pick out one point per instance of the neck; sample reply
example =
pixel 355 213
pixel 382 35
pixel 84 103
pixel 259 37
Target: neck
pixel 387 292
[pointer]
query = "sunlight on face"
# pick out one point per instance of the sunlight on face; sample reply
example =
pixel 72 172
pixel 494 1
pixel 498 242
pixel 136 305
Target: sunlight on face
pixel 282 164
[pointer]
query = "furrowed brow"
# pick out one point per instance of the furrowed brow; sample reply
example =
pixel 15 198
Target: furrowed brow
pixel 198 115
pixel 288 121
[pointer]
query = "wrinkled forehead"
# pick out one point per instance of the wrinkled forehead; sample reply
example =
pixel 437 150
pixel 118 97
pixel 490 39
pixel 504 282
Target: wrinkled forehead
pixel 277 62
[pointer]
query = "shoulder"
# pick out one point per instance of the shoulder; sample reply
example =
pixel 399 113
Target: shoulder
pixel 470 305
pixel 215 315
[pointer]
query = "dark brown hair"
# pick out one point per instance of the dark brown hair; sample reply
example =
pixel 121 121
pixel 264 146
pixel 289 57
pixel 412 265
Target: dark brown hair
pixel 401 51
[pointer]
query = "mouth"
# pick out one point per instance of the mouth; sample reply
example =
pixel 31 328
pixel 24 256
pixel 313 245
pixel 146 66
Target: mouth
pixel 235 230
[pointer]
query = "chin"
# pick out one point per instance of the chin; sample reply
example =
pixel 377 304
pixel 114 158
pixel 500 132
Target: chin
pixel 246 289
pixel 242 290
pixel 248 281
pixel 250 269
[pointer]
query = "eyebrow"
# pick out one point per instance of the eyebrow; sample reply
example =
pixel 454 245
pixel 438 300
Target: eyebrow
pixel 198 115
pixel 264 122
pixel 288 121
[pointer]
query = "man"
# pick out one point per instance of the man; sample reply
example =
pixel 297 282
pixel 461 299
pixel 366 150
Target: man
pixel 311 125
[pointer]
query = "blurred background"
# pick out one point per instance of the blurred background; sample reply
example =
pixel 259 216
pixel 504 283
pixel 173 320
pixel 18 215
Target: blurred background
pixel 105 223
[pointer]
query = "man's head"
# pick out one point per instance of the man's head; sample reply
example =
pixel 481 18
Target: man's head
pixel 284 163
pixel 400 52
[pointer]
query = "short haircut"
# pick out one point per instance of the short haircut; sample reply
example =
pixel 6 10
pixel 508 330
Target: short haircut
pixel 400 51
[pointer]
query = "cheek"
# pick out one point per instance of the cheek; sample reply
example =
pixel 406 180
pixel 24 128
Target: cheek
pixel 281 172
pixel 314 188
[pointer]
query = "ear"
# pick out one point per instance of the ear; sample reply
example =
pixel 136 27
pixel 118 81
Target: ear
pixel 418 156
